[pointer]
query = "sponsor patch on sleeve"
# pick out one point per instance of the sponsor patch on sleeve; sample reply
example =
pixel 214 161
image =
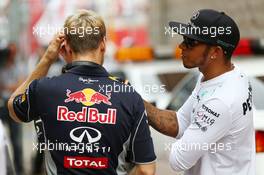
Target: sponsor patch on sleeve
pixel 205 117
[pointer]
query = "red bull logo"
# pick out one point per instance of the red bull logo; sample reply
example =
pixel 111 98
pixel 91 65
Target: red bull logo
pixel 88 97
pixel 98 98
pixel 78 96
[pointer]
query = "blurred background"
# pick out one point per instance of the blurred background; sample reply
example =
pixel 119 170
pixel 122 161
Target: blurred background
pixel 139 48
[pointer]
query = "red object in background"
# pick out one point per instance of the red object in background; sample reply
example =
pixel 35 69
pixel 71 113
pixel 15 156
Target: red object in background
pixel 259 141
pixel 139 36
pixel 36 8
pixel 243 48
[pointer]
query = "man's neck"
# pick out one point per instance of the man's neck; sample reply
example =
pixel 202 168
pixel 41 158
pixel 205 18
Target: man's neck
pixel 92 57
pixel 213 71
pixel 94 60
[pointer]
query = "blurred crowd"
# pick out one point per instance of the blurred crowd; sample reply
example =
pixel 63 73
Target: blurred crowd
pixel 14 68
pixel 13 71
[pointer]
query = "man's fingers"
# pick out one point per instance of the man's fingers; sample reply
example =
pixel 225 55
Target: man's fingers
pixel 56 42
pixel 59 41
pixel 55 47
pixel 60 38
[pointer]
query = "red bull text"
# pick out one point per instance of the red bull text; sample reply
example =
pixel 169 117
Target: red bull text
pixel 90 115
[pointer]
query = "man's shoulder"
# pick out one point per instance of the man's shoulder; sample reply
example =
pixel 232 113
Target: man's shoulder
pixel 47 84
pixel 122 86
pixel 233 90
pixel 236 85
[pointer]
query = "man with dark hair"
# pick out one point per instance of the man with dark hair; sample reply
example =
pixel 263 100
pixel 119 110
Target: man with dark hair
pixel 214 128
pixel 85 129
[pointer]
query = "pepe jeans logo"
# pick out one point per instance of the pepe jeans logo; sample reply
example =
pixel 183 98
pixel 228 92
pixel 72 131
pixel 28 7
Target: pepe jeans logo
pixel 88 134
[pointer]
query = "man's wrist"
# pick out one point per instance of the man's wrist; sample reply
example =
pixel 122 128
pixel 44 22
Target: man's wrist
pixel 47 59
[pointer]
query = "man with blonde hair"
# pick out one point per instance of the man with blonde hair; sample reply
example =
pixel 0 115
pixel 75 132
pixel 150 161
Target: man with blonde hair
pixel 86 129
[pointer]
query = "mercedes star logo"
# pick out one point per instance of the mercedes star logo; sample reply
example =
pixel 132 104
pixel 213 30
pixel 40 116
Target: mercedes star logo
pixel 92 135
pixel 195 15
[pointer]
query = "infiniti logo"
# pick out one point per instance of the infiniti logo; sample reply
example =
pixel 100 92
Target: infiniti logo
pixel 92 135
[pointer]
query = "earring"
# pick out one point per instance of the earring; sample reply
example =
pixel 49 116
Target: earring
pixel 212 57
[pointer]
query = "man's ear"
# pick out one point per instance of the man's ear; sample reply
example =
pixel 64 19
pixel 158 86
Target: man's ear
pixel 66 51
pixel 219 51
pixel 68 48
pixel 103 45
pixel 216 52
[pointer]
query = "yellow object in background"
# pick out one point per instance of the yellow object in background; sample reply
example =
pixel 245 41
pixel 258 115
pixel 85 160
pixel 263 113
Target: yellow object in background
pixel 134 54
pixel 178 52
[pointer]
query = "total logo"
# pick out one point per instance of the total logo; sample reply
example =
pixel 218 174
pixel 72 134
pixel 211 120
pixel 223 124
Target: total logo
pixel 90 115
pixel 85 134
pixel 86 162
pixel 88 97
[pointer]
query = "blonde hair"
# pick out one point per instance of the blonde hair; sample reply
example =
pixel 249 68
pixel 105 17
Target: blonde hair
pixel 84 31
